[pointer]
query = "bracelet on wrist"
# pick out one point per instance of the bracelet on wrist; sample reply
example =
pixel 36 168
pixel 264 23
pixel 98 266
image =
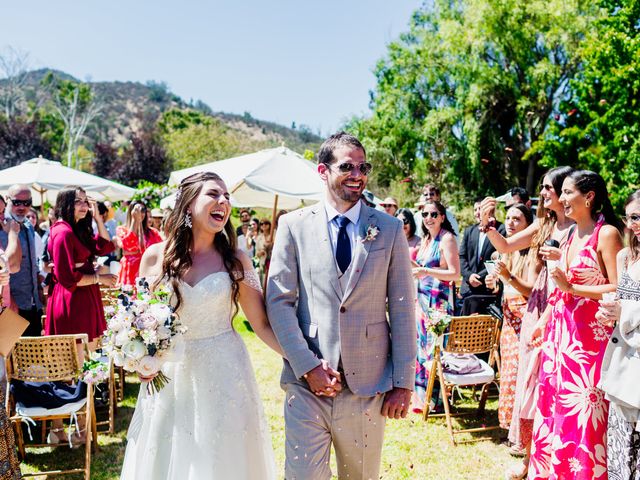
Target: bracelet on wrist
pixel 484 228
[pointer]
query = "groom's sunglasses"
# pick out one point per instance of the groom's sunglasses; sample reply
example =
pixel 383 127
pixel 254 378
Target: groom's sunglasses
pixel 364 168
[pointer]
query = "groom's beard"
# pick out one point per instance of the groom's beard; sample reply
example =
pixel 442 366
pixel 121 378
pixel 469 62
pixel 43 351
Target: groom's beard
pixel 343 193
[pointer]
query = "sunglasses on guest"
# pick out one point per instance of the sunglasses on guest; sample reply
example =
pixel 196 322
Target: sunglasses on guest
pixel 544 187
pixel 364 168
pixel 430 214
pixel 631 219
pixel 25 203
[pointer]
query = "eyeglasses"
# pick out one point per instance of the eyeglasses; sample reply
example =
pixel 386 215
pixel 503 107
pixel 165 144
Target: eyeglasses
pixel 364 168
pixel 25 203
pixel 387 205
pixel 430 214
pixel 262 224
pixel 631 219
pixel 405 221
pixel 429 194
pixel 544 187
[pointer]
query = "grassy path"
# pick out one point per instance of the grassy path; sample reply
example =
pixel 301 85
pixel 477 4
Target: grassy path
pixel 413 449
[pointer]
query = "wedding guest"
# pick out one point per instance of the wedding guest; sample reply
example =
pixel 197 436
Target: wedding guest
pixel 390 206
pixel 75 304
pixel 134 239
pixel 620 368
pixel 9 463
pixel 252 234
pixel 264 244
pixel 409 227
pixel 24 284
pixel 155 221
pixel 3 206
pixel 512 270
pixel 475 250
pixel 245 219
pixel 569 434
pixel 437 266
pixel 550 224
pixel 431 192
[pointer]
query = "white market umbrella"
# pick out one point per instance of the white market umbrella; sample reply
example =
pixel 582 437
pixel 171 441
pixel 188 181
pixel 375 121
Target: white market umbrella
pixel 271 178
pixel 47 177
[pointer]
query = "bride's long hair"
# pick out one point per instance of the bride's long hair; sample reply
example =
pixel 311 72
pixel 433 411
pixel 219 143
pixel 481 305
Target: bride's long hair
pixel 177 251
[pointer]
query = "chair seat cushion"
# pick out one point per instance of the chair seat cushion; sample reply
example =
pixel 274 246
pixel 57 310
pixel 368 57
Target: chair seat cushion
pixel 35 412
pixel 485 375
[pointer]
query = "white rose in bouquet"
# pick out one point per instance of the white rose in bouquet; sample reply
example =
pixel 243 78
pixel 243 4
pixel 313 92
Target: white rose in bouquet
pixel 118 358
pixel 130 364
pixel 121 338
pixel 160 311
pixel 134 349
pixel 148 366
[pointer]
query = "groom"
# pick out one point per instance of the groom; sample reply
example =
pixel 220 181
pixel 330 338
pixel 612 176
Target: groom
pixel 340 299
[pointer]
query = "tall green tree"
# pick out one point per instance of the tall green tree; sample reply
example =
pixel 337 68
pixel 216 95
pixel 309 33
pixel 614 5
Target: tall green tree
pixel 472 85
pixel 192 138
pixel 598 126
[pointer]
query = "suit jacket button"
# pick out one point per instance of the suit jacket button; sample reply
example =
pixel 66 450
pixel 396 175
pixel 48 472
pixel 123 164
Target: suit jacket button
pixel 342 309
pixel 614 340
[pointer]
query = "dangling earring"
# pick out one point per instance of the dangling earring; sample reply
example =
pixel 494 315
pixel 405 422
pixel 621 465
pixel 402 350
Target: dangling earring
pixel 587 204
pixel 187 220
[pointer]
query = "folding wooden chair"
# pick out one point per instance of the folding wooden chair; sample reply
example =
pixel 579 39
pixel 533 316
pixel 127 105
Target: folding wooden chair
pixel 110 298
pixel 112 396
pixel 467 335
pixel 48 359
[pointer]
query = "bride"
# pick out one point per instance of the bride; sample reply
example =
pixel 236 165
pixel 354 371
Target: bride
pixel 207 423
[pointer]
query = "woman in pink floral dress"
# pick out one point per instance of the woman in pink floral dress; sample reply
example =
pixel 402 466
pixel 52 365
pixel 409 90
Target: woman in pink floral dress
pixel 570 426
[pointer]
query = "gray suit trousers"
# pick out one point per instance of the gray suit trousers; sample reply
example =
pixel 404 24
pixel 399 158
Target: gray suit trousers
pixel 354 425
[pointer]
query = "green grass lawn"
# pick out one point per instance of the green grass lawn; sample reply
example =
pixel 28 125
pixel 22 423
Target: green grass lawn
pixel 413 449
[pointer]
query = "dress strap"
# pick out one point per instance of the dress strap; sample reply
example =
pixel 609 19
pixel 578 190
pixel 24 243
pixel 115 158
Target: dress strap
pixel 251 279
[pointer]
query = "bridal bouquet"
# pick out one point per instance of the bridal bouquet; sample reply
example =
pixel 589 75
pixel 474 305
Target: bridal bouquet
pixel 142 332
pixel 437 321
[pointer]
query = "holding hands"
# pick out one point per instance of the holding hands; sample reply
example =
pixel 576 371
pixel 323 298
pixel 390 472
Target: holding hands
pixel 324 380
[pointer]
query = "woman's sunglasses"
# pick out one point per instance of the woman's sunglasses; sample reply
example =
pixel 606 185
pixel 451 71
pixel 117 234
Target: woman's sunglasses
pixel 364 168
pixel 430 214
pixel 544 187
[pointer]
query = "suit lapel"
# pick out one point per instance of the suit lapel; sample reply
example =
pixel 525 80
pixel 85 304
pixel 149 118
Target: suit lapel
pixel 474 241
pixel 362 248
pixel 325 250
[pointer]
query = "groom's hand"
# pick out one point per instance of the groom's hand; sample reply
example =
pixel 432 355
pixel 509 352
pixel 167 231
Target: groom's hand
pixel 396 403
pixel 324 380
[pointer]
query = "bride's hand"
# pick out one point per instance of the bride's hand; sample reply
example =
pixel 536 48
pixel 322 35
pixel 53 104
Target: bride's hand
pixel 146 379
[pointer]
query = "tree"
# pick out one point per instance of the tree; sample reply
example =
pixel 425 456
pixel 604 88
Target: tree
pixel 20 141
pixel 144 159
pixel 192 138
pixel 470 88
pixel 76 106
pixel 598 126
pixel 14 65
pixel 105 159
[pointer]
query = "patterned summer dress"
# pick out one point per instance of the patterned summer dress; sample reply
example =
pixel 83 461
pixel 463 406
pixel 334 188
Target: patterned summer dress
pixel 623 440
pixel 9 464
pixel 570 426
pixel 432 294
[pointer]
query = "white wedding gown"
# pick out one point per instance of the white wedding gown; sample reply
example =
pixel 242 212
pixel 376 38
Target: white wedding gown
pixel 208 422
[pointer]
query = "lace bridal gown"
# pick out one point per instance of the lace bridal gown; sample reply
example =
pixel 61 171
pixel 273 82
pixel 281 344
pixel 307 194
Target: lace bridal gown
pixel 208 422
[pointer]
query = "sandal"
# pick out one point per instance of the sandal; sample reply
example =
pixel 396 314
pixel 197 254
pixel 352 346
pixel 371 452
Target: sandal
pixel 517 472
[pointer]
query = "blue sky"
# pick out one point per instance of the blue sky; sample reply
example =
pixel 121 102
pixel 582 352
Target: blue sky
pixel 280 60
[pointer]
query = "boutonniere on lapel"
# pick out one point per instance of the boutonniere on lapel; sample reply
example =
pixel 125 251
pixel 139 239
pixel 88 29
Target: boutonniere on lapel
pixel 370 233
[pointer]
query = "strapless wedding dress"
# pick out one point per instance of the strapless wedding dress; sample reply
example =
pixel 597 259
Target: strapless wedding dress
pixel 208 422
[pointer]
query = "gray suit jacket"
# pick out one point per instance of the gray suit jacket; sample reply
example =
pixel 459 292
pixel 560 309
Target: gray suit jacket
pixel 314 320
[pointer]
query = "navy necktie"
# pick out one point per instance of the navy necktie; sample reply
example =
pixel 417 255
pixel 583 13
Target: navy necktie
pixel 343 250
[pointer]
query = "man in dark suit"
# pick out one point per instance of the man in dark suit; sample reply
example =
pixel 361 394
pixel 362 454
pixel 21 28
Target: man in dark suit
pixel 475 249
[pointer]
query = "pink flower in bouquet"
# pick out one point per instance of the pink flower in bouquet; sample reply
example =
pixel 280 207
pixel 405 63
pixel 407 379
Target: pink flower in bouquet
pixel 148 366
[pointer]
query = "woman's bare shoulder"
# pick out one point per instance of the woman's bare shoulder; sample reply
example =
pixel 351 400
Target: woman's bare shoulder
pixel 151 263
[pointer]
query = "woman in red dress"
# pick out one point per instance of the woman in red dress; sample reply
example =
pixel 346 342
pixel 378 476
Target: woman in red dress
pixel 134 239
pixel 75 305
